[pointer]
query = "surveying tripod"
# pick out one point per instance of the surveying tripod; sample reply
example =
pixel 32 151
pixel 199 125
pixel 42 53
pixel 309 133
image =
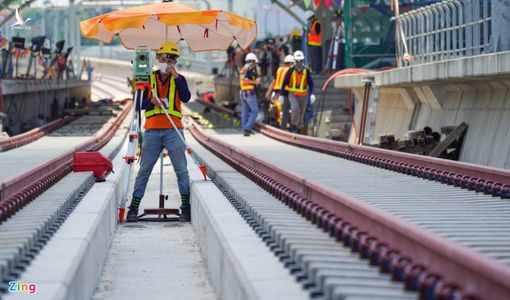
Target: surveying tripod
pixel 331 63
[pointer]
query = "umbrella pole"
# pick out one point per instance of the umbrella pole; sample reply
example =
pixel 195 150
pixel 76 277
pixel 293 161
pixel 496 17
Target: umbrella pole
pixel 202 167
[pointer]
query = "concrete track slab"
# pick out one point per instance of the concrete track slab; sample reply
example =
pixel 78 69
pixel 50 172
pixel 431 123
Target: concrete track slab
pixel 150 260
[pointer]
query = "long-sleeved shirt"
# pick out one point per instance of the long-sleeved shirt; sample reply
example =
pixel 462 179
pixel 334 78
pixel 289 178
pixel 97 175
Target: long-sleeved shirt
pixel 161 121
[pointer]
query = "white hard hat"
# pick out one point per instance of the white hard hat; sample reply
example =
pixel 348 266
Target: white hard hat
pixel 298 55
pixel 308 14
pixel 251 57
pixel 288 59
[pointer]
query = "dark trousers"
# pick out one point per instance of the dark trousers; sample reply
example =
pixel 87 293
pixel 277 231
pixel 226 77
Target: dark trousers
pixel 315 55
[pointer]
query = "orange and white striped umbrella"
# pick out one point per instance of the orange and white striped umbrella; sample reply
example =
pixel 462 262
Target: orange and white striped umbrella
pixel 152 25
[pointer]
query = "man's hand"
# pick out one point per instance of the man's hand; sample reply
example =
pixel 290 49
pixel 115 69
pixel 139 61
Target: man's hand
pixel 257 81
pixel 156 102
pixel 172 70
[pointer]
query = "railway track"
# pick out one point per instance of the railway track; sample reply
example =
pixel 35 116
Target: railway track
pixel 35 202
pixel 445 240
pixel 345 228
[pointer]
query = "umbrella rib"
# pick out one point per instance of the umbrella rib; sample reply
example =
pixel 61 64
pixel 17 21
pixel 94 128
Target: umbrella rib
pixel 216 31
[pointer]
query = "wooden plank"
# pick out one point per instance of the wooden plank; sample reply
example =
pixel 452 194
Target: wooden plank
pixel 436 152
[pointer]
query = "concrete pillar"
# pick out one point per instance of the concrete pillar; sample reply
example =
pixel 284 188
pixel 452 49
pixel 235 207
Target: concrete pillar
pixel 500 39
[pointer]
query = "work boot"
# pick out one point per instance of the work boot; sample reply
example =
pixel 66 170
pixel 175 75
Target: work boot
pixel 185 213
pixel 246 133
pixel 132 215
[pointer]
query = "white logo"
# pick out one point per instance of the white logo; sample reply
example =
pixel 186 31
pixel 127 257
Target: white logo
pixel 20 23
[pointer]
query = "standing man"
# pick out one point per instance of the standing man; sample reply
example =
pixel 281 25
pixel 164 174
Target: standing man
pixel 171 88
pixel 314 43
pixel 281 103
pixel 249 80
pixel 300 85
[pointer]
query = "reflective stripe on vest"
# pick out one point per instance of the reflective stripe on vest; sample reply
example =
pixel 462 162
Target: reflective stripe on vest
pixel 302 89
pixel 280 75
pixel 172 105
pixel 314 39
pixel 246 86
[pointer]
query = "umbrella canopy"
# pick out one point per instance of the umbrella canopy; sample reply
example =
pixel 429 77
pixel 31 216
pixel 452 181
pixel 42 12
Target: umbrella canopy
pixel 152 25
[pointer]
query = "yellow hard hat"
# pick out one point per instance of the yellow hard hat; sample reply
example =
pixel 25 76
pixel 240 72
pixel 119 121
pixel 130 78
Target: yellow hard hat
pixel 169 48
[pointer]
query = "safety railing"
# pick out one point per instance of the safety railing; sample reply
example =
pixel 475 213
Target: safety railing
pixel 446 30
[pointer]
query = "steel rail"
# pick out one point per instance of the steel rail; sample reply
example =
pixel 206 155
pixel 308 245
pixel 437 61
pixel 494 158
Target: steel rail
pixel 479 178
pixel 34 134
pixel 18 190
pixel 409 251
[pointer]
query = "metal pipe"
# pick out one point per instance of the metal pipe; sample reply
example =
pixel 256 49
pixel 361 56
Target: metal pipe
pixel 468 20
pixel 485 16
pixel 448 30
pixel 422 43
pixel 366 97
pixel 460 14
pixel 454 24
pixel 429 38
pixel 476 27
pixel 161 173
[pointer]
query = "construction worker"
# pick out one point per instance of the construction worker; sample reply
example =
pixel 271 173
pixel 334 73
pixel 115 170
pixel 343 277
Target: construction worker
pixel 172 89
pixel 314 42
pixel 300 84
pixel 281 103
pixel 249 80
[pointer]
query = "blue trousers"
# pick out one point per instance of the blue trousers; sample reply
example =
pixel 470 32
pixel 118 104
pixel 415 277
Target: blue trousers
pixel 154 140
pixel 250 109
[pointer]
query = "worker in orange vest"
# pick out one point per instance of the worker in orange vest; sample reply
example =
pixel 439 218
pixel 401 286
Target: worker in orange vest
pixel 171 88
pixel 300 85
pixel 280 103
pixel 314 42
pixel 249 80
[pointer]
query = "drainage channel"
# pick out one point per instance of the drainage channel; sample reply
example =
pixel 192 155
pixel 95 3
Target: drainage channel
pixel 324 267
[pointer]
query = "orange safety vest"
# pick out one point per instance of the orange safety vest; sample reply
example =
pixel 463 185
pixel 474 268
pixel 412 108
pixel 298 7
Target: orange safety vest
pixel 280 75
pixel 298 84
pixel 155 118
pixel 174 101
pixel 314 38
pixel 245 86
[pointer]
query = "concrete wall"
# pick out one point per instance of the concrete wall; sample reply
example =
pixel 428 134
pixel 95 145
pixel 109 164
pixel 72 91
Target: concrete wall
pixel 484 106
pixel 474 90
pixel 24 100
